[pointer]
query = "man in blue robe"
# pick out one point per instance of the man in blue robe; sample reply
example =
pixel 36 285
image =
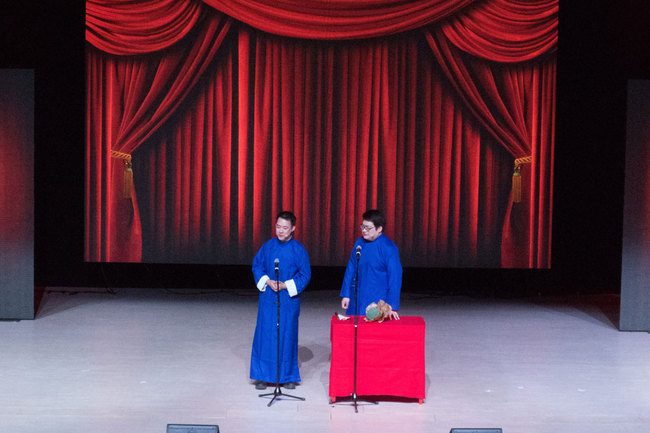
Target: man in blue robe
pixel 292 262
pixel 380 270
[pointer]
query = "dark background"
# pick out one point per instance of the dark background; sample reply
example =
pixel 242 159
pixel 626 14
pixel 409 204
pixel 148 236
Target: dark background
pixel 601 45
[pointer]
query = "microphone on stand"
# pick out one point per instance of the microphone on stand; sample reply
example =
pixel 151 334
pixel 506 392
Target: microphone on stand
pixel 278 392
pixel 358 251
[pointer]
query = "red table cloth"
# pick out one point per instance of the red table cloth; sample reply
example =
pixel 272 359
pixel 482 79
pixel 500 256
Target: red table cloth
pixel 390 358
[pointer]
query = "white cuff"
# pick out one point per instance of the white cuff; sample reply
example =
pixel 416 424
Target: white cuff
pixel 261 284
pixel 291 288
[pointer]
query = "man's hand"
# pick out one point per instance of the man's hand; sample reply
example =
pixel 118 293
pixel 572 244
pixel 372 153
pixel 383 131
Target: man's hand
pixel 274 286
pixel 344 303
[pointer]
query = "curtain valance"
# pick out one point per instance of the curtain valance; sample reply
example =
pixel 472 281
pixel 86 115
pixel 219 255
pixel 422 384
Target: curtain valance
pixel 505 30
pixel 126 27
pixel 497 30
pixel 338 19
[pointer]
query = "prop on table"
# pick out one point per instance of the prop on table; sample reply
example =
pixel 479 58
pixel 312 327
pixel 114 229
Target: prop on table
pixel 341 316
pixel 378 312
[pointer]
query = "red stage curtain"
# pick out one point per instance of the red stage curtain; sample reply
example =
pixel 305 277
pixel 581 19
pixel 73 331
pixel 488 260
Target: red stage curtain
pixel 515 102
pixel 505 30
pixel 387 142
pixel 355 127
pixel 128 99
pixel 127 27
pixel 339 19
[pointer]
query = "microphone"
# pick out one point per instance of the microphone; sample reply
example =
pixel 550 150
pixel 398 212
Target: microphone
pixel 358 251
pixel 277 265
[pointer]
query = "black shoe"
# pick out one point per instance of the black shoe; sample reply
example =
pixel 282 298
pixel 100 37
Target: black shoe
pixel 290 385
pixel 260 385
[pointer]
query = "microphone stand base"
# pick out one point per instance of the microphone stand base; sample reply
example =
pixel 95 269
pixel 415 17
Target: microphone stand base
pixel 353 400
pixel 278 394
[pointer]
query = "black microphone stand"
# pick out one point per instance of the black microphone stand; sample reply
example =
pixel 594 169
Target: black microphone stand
pixel 354 396
pixel 277 393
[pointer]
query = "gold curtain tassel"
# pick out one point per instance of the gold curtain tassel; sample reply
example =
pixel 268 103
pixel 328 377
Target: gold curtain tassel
pixel 127 181
pixel 516 178
pixel 516 185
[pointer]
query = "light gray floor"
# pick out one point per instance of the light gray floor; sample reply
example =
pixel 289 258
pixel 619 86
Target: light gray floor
pixel 134 361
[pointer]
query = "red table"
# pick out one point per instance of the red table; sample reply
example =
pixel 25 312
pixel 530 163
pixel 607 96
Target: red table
pixel 390 358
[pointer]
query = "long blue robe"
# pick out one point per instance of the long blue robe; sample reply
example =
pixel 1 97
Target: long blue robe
pixel 380 274
pixel 295 271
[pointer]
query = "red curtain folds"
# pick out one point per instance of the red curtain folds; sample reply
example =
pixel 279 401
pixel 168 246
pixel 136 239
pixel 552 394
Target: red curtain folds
pixel 128 99
pixel 505 30
pixel 375 131
pixel 338 19
pixel 326 151
pixel 515 102
pixel 126 27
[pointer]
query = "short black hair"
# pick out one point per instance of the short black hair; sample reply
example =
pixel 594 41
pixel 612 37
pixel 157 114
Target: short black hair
pixel 377 218
pixel 286 215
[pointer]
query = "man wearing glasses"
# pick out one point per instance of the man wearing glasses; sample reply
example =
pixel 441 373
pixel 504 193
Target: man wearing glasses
pixel 380 270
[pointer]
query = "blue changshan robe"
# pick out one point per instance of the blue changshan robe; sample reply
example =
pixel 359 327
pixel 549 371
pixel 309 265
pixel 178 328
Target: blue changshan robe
pixel 380 274
pixel 295 272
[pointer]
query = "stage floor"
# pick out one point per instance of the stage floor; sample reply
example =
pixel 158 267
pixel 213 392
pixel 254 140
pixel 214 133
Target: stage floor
pixel 138 359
